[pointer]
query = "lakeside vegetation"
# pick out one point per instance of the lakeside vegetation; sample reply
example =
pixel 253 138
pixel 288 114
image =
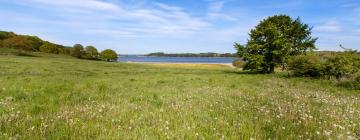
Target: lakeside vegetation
pixel 84 99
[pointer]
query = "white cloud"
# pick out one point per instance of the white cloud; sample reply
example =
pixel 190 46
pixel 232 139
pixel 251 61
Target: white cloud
pixel 215 11
pixel 216 6
pixel 357 31
pixel 85 4
pixel 331 26
pixel 87 15
pixel 168 7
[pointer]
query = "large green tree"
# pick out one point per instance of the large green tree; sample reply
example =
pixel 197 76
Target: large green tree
pixel 273 41
pixel 108 55
pixel 91 52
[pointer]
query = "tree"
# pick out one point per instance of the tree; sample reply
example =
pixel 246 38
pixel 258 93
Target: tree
pixel 65 50
pixel 77 51
pixel 91 52
pixel 5 35
pixel 273 41
pixel 49 48
pixel 108 55
pixel 27 43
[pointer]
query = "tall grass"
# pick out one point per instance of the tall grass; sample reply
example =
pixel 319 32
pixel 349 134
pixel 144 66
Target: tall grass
pixel 64 98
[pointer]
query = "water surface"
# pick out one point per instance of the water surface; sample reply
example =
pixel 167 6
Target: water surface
pixel 140 58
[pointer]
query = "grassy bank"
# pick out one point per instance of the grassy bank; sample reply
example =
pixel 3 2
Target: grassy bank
pixel 63 98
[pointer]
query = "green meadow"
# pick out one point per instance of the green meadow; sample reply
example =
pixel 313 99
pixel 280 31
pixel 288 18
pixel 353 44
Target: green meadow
pixel 59 97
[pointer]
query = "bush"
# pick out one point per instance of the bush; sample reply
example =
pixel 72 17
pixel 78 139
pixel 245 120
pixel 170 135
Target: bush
pixel 344 67
pixel 306 65
pixel 341 66
pixel 49 48
pixel 238 63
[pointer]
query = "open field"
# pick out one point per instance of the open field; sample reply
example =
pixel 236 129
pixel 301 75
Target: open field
pixel 65 98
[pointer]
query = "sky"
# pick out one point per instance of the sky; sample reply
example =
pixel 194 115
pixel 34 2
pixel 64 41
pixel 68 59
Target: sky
pixel 175 26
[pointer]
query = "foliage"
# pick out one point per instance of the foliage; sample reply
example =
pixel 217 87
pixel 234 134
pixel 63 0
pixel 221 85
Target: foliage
pixel 16 52
pixel 65 50
pixel 23 43
pixel 342 66
pixel 91 53
pixel 5 35
pixel 238 63
pixel 78 51
pixel 108 55
pixel 273 41
pixel 306 65
pixel 49 48
pixel 27 43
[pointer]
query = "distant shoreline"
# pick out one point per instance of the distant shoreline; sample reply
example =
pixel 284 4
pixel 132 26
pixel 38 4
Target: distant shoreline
pixel 182 63
pixel 124 56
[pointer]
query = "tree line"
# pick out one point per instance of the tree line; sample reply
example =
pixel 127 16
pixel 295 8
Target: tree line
pixel 35 44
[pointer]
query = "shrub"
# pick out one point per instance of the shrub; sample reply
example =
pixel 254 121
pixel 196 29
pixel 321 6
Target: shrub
pixel 238 63
pixel 341 65
pixel 49 48
pixel 306 65
pixel 17 52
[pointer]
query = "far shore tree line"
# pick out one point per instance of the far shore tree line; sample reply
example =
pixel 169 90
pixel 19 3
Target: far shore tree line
pixel 209 54
pixel 26 43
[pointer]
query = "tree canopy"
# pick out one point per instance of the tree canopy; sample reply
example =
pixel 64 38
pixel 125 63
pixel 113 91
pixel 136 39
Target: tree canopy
pixel 29 43
pixel 49 48
pixel 108 55
pixel 91 52
pixel 77 51
pixel 273 41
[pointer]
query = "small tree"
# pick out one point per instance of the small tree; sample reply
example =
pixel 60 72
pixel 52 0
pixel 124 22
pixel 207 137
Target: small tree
pixel 273 41
pixel 77 51
pixel 108 55
pixel 91 52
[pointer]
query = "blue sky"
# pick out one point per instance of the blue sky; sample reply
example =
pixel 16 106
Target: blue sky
pixel 174 26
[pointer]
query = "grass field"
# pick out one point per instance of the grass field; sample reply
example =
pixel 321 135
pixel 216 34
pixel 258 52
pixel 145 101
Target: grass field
pixel 65 98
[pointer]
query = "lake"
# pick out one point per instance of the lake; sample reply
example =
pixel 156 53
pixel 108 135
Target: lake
pixel 141 58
